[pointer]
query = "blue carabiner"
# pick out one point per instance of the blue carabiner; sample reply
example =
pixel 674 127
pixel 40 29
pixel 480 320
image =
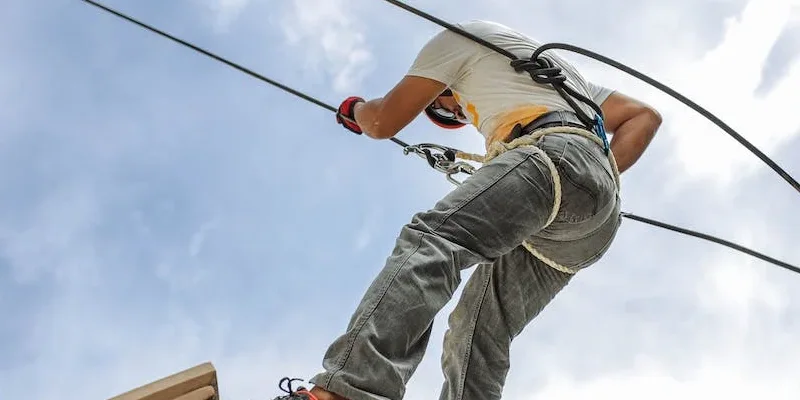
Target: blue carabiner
pixel 600 129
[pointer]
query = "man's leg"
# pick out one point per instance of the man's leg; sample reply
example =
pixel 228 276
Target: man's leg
pixel 498 301
pixel 491 213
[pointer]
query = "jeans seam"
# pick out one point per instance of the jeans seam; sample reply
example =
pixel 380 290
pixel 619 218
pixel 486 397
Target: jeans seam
pixel 589 153
pixel 585 190
pixel 604 248
pixel 360 326
pixel 492 182
pixel 473 327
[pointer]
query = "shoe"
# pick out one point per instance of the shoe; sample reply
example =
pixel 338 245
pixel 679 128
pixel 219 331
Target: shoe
pixel 300 394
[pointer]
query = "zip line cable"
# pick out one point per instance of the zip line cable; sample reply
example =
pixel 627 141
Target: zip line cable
pixel 424 151
pixel 712 239
pixel 666 89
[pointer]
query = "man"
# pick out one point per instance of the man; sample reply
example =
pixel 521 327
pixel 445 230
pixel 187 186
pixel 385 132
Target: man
pixel 483 221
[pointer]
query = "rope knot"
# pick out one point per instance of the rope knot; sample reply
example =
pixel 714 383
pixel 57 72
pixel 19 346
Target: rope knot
pixel 541 70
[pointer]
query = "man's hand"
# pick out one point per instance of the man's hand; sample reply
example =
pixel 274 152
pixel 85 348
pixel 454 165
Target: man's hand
pixel 346 114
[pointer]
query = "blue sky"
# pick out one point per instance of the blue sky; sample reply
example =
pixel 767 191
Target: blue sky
pixel 161 209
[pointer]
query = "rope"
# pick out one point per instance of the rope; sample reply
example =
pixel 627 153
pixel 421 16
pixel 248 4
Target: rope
pixel 497 148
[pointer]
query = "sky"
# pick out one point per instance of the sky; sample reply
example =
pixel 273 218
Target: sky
pixel 161 210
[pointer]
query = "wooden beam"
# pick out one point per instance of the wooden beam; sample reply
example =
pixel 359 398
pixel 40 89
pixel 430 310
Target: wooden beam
pixel 204 393
pixel 194 383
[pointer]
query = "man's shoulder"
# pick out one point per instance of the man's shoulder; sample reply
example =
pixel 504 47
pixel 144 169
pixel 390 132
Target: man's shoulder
pixel 484 24
pixel 480 25
pixel 495 32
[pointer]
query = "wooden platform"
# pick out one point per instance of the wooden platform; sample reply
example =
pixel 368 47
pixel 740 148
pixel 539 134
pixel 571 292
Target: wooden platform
pixel 196 383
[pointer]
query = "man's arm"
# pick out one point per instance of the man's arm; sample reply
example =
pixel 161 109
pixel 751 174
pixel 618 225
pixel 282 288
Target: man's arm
pixel 633 124
pixel 440 62
pixel 384 117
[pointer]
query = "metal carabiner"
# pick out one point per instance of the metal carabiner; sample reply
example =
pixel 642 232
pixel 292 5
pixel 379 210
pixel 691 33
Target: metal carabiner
pixel 434 159
pixel 459 167
pixel 440 158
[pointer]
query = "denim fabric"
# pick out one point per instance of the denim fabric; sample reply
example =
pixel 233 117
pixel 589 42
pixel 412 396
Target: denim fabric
pixel 483 221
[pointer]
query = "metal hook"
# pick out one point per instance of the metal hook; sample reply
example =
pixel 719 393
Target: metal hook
pixel 440 158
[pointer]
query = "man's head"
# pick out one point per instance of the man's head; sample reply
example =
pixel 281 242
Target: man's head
pixel 446 112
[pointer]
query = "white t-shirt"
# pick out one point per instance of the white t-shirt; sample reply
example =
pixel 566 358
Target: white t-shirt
pixel 494 96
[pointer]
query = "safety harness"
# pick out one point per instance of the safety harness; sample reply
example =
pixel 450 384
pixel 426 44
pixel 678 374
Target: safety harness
pixel 543 71
pixel 529 141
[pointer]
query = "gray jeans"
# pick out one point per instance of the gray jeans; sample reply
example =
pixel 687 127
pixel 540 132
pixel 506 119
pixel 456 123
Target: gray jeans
pixel 483 221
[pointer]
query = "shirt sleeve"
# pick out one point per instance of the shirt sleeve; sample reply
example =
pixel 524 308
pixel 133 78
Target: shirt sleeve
pixel 598 93
pixel 445 58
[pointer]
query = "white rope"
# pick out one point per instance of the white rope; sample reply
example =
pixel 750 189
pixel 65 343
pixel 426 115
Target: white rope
pixel 498 147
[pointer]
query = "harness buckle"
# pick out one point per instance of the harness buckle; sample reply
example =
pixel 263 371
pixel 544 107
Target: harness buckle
pixel 600 130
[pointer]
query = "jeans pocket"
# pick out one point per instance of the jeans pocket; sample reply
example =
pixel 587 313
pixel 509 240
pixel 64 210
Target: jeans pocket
pixel 577 202
pixel 586 187
pixel 602 239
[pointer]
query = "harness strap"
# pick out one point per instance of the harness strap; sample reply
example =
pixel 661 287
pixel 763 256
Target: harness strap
pixel 547 120
pixel 530 140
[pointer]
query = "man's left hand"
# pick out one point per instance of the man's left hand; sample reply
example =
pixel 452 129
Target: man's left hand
pixel 346 114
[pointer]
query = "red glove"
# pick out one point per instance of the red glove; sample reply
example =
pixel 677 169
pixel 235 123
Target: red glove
pixel 346 114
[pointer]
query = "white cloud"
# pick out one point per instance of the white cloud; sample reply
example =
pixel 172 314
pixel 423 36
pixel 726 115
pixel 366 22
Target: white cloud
pixel 332 40
pixel 199 237
pixel 225 12
pixel 709 380
pixel 258 329
pixel 371 219
pixel 737 286
pixel 57 239
pixel 724 82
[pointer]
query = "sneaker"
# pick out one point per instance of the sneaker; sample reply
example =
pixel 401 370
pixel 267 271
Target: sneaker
pixel 300 394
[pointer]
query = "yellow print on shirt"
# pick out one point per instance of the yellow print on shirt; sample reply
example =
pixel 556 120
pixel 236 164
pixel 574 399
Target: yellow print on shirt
pixel 471 110
pixel 522 115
